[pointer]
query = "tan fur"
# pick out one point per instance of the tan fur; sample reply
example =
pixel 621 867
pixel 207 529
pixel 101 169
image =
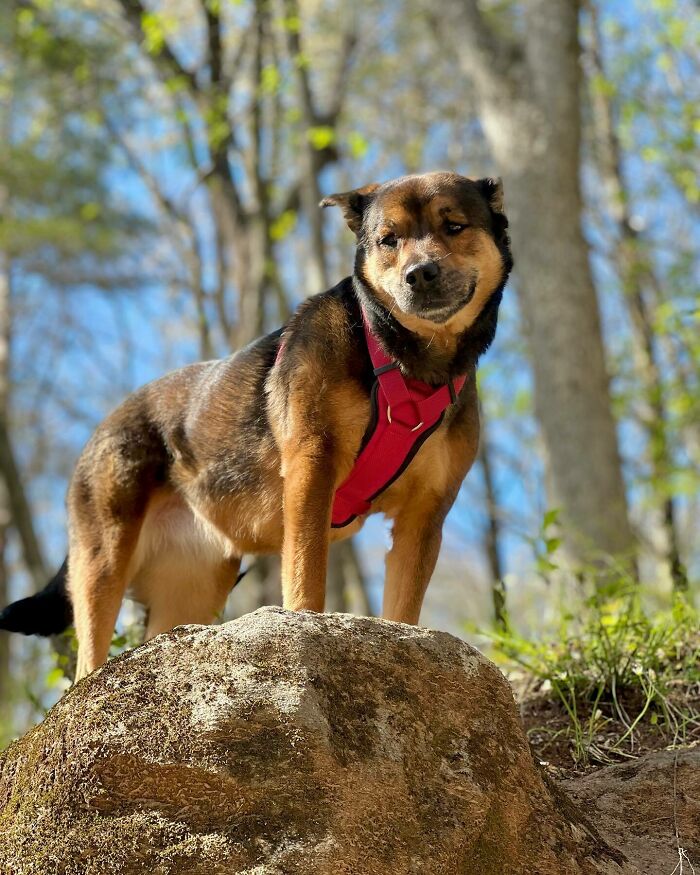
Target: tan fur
pixel 444 336
pixel 182 566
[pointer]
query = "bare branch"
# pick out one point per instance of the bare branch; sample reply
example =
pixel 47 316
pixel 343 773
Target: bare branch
pixel 486 56
pixel 310 188
pixel 339 89
pixel 215 55
pixel 167 205
pixel 21 513
pixel 169 64
pixel 134 11
pixel 294 43
pixel 184 239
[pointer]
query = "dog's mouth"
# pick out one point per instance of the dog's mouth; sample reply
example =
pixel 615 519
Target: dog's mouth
pixel 446 311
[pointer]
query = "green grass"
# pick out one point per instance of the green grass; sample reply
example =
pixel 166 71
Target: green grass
pixel 619 675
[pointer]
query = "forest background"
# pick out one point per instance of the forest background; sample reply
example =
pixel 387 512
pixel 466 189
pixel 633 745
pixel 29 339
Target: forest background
pixel 161 165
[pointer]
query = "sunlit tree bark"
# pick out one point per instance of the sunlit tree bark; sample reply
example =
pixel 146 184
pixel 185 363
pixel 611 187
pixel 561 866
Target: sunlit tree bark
pixel 528 96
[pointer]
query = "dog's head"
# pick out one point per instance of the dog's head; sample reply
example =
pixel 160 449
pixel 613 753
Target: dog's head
pixel 432 248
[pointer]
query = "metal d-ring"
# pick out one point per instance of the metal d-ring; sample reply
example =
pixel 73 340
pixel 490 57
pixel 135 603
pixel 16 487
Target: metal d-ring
pixel 388 416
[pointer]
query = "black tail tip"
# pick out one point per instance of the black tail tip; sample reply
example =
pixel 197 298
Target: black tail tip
pixel 29 617
pixel 49 612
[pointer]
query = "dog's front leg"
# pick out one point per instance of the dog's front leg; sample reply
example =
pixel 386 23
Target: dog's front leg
pixel 308 493
pixel 416 539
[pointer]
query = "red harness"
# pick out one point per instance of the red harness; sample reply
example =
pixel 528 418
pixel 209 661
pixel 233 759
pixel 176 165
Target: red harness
pixel 404 413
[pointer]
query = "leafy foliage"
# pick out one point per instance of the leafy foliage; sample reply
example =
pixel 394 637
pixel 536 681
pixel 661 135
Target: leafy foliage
pixel 617 672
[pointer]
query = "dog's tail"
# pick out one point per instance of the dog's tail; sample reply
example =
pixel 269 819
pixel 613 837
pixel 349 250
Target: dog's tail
pixel 46 613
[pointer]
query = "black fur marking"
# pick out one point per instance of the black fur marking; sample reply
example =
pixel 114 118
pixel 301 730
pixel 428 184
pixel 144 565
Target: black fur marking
pixel 180 443
pixel 49 612
pixel 305 332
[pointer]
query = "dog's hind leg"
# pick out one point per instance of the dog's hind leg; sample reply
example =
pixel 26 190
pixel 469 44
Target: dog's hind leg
pixel 182 590
pixel 97 581
pixel 121 468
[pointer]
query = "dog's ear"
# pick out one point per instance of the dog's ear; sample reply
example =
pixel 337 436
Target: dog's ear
pixel 492 191
pixel 352 203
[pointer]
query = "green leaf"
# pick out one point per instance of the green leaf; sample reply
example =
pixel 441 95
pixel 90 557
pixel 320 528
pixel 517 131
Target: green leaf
pixel 292 23
pixel 154 33
pixel 302 61
pixel 522 401
pixel 602 85
pixel 270 79
pixel 90 211
pixel 675 32
pixel 544 566
pixel 664 62
pixel 321 136
pixel 550 518
pixel 25 20
pixel 358 145
pixel 55 677
pixel 176 84
pixel 552 545
pixel 283 225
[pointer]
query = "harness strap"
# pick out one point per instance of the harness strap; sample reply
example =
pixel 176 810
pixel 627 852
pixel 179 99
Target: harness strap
pixel 405 412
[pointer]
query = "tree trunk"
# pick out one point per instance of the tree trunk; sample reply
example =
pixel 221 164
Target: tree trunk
pixel 335 585
pixel 492 534
pixel 528 95
pixel 356 595
pixel 5 509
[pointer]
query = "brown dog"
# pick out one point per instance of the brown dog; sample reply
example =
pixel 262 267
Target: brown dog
pixel 244 455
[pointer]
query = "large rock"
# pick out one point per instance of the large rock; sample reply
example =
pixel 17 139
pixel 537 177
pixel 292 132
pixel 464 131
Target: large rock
pixel 289 743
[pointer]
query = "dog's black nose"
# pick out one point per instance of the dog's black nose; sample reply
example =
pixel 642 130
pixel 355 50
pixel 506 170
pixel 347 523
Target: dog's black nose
pixel 421 274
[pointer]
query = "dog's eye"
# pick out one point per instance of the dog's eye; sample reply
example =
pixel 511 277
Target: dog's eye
pixel 390 240
pixel 453 228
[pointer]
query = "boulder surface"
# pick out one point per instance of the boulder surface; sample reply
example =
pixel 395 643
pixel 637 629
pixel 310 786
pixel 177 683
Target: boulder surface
pixel 284 743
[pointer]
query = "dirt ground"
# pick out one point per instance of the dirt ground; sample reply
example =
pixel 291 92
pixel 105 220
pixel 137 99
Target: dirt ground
pixel 642 794
pixel 554 744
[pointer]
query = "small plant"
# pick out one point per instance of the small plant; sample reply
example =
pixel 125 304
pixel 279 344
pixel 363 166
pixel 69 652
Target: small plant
pixel 65 654
pixel 615 673
pixel 619 676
